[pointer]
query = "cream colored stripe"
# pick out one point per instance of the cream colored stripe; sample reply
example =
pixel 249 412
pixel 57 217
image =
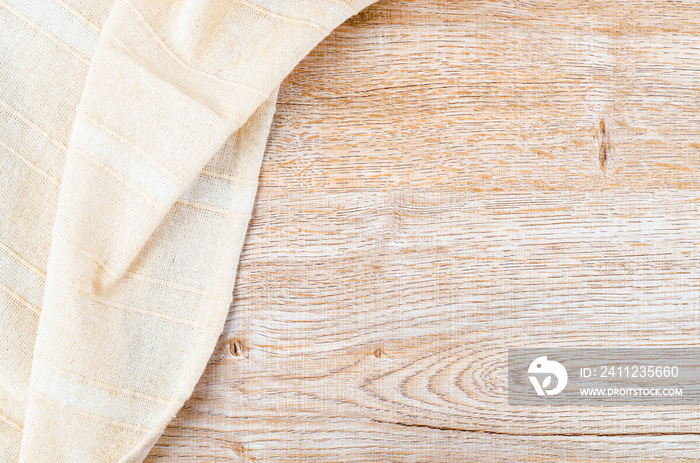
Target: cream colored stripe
pixel 74 285
pixel 22 260
pixel 28 305
pixel 180 61
pixel 54 141
pixel 30 164
pixel 80 411
pixel 98 383
pixel 44 32
pixel 101 166
pixel 88 255
pixel 11 422
pixel 128 142
pixel 224 115
pixel 104 267
pixel 150 313
pixel 301 21
pixel 237 180
pixel 79 15
pixel 210 208
pixel 172 284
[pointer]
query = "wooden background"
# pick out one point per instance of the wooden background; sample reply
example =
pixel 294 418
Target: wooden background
pixel 446 179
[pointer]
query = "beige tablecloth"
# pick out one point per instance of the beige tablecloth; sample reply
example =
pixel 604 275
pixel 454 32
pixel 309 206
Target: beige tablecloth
pixel 131 136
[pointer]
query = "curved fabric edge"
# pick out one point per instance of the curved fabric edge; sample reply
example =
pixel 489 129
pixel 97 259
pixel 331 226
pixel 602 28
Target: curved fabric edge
pixel 247 150
pixel 150 220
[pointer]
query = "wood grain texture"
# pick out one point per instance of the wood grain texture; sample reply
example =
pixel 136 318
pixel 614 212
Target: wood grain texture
pixel 444 180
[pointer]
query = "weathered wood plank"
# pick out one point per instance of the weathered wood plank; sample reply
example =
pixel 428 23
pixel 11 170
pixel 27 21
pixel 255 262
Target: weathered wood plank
pixel 445 180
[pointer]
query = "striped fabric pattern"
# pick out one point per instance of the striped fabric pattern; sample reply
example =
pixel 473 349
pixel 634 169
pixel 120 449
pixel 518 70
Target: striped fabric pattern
pixel 131 138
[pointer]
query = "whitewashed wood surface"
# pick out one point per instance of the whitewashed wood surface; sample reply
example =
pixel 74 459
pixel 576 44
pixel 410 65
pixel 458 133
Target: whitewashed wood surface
pixel 444 180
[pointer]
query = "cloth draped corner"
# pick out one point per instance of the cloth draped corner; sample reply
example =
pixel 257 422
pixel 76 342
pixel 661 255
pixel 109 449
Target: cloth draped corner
pixel 131 138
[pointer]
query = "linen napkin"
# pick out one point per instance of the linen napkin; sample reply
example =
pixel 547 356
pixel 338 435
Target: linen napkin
pixel 131 137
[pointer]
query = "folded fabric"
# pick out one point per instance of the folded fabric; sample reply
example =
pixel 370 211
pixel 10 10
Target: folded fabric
pixel 131 137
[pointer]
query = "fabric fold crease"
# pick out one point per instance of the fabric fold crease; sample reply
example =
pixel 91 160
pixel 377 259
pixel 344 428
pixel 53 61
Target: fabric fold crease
pixel 159 179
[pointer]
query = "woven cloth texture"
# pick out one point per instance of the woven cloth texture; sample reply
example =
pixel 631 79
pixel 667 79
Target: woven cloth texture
pixel 131 138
